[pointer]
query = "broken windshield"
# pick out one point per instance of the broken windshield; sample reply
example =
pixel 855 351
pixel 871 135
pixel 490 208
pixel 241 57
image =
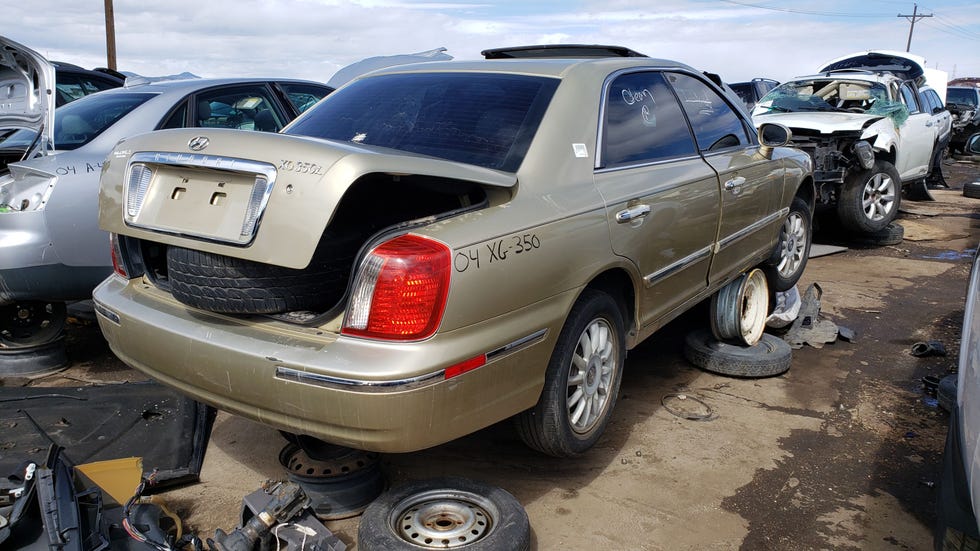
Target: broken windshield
pixel 832 95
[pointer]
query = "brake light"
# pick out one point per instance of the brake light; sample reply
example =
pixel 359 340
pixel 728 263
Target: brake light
pixel 400 291
pixel 116 253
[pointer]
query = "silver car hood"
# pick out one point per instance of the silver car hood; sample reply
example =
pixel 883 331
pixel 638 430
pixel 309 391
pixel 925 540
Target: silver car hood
pixel 27 93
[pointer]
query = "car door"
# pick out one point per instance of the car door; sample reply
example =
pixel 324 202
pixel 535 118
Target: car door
pixel 940 116
pixel 751 189
pixel 661 197
pixel 917 136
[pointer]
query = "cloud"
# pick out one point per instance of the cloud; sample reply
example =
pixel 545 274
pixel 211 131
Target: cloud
pixel 314 38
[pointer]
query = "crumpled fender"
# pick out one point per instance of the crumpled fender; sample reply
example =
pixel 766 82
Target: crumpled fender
pixel 882 135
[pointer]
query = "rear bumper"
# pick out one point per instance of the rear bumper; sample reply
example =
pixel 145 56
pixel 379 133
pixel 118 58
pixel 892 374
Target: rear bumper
pixel 364 394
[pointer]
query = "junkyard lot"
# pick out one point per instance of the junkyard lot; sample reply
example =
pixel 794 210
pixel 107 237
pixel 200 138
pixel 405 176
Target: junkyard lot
pixel 840 452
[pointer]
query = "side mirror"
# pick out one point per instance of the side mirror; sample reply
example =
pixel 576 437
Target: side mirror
pixel 973 144
pixel 773 135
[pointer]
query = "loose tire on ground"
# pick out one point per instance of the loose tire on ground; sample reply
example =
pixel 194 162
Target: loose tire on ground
pixel 231 285
pixel 771 356
pixel 788 259
pixel 869 199
pixel 445 513
pixel 892 234
pixel 971 190
pixel 581 382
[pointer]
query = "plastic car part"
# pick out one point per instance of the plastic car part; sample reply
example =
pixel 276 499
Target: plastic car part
pixel 770 356
pixel 870 199
pixel 809 327
pixel 301 533
pixel 341 482
pixel 788 261
pixel 92 423
pixel 288 500
pixel 445 513
pixel 739 309
pixel 581 382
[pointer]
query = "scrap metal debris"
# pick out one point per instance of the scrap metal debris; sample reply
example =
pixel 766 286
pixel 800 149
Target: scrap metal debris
pixel 686 406
pixel 810 328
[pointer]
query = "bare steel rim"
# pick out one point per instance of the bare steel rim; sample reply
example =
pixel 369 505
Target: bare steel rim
pixel 878 198
pixel 591 374
pixel 754 307
pixel 443 519
pixel 793 240
pixel 739 309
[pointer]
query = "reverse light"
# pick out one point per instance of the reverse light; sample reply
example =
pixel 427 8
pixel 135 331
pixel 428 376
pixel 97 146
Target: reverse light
pixel 136 185
pixel 256 204
pixel 117 265
pixel 400 290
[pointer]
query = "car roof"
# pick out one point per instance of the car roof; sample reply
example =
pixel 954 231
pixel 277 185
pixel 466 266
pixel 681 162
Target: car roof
pixel 544 67
pixel 187 86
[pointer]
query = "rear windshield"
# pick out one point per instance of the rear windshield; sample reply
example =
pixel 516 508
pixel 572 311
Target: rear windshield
pixel 481 119
pixel 79 122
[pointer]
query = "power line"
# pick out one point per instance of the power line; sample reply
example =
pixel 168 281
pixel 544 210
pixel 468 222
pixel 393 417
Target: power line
pixel 803 12
pixel 913 18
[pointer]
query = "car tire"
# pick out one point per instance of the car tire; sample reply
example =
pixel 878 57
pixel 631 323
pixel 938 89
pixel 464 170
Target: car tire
pixel 445 513
pixel 971 190
pixel 770 356
pixel 739 309
pixel 593 336
pixel 946 392
pixel 869 199
pixel 231 285
pixel 892 234
pixel 789 258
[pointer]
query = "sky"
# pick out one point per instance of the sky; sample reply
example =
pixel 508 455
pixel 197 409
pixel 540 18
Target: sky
pixel 312 39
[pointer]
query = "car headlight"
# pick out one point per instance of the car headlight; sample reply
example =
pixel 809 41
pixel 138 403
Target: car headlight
pixel 26 192
pixel 865 154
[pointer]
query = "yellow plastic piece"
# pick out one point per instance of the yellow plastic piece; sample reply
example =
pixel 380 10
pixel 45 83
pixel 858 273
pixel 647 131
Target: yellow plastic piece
pixel 116 477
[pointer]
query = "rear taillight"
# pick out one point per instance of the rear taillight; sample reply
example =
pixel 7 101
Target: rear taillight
pixel 400 290
pixel 116 252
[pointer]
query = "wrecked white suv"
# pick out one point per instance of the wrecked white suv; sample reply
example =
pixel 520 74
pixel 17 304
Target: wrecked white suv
pixel 870 125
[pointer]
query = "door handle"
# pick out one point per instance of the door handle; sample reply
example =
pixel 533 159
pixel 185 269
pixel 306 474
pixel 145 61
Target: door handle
pixel 929 123
pixel 632 213
pixel 735 184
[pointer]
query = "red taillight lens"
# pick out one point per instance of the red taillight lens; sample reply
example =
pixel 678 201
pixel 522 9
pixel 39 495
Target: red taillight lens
pixel 117 265
pixel 400 291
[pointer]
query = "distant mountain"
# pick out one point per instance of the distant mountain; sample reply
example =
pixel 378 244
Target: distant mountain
pixel 182 76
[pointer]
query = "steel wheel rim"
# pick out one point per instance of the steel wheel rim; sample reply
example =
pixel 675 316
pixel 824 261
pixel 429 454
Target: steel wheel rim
pixel 590 375
pixel 755 305
pixel 793 239
pixel 443 519
pixel 879 196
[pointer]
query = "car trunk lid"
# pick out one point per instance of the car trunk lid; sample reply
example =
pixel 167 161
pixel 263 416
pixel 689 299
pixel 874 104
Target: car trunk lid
pixel 256 196
pixel 27 98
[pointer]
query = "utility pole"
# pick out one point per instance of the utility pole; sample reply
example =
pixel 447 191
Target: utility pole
pixel 110 35
pixel 912 18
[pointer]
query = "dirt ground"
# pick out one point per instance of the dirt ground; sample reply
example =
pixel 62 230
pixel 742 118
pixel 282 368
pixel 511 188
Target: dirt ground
pixel 841 452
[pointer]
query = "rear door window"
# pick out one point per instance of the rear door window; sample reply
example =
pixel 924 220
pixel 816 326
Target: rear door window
pixel 250 107
pixel 643 122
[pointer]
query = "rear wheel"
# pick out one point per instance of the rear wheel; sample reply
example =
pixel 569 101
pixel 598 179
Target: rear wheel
pixel 869 199
pixel 582 380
